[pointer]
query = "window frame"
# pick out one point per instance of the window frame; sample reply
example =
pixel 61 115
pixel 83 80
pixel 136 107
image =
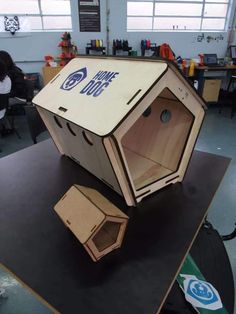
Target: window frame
pixel 41 16
pixel 201 17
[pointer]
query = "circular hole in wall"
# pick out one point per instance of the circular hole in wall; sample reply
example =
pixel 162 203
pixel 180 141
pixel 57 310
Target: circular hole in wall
pixel 165 116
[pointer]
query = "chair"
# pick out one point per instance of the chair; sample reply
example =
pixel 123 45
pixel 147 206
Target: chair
pixel 35 123
pixel 4 103
pixel 4 112
pixel 17 103
pixel 4 98
pixel 36 80
pixel 11 116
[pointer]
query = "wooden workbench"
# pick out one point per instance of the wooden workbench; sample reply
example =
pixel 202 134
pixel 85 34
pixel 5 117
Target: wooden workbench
pixel 209 86
pixel 37 247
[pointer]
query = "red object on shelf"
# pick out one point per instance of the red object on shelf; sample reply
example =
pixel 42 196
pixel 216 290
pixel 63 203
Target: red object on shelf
pixel 62 55
pixel 62 63
pixel 166 52
pixel 68 49
pixel 48 59
pixel 201 55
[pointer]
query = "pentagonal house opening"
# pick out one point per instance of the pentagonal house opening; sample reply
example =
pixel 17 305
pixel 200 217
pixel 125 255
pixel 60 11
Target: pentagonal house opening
pixel 107 235
pixel 154 145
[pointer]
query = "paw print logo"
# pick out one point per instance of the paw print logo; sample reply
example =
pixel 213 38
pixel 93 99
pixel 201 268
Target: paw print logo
pixel 200 293
pixel 74 79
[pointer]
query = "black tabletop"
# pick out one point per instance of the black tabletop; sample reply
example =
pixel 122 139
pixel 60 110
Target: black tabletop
pixel 39 249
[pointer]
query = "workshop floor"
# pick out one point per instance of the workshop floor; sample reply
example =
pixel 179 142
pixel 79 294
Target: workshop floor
pixel 217 136
pixel 16 298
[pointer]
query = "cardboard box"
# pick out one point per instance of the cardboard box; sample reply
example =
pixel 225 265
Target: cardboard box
pixel 131 122
pixel 95 221
pixel 50 72
pixel 211 89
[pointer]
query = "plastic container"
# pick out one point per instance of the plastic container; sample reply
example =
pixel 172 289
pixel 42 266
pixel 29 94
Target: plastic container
pixel 191 68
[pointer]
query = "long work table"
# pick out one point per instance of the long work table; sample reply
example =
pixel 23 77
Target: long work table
pixel 41 251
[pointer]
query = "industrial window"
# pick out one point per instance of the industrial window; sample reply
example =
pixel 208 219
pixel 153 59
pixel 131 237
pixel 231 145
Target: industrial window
pixel 40 14
pixel 178 15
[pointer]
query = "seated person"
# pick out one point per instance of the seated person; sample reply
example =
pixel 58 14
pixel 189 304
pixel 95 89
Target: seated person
pixel 5 87
pixel 21 87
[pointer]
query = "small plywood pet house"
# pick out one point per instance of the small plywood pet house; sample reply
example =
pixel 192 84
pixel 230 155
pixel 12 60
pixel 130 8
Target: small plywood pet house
pixel 96 222
pixel 132 123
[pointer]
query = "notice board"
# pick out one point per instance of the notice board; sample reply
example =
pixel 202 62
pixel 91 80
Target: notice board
pixel 89 15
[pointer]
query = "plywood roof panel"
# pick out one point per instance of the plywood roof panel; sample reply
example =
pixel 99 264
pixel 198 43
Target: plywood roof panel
pixel 122 83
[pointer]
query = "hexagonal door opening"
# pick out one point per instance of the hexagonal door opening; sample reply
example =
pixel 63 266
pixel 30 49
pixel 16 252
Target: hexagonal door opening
pixel 154 145
pixel 107 235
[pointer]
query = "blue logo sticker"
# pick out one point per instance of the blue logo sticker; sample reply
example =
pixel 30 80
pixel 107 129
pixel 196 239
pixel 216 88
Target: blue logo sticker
pixel 99 83
pixel 74 79
pixel 202 292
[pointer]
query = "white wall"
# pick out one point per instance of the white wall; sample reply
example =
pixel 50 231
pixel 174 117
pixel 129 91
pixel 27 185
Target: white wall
pixel 29 49
pixel 182 43
pixel 34 46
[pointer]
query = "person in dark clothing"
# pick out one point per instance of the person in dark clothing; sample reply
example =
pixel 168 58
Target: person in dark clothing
pixel 21 86
pixel 5 88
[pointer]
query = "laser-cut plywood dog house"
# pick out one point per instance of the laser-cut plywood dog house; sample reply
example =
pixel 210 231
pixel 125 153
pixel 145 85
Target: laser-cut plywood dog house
pixel 96 222
pixel 132 123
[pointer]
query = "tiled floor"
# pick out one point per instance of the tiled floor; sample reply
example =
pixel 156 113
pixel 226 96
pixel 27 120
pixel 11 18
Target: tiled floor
pixel 217 136
pixel 11 143
pixel 16 298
